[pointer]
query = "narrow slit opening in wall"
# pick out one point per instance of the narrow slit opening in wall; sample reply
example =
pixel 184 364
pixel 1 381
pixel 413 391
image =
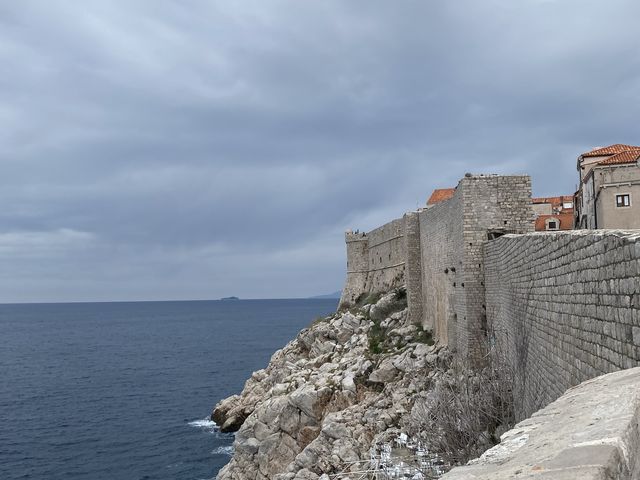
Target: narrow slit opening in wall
pixel 497 233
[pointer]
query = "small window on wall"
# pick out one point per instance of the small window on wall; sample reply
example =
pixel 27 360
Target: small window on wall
pixel 553 224
pixel 623 200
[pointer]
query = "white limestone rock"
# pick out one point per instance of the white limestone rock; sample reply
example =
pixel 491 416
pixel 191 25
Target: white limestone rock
pixel 323 399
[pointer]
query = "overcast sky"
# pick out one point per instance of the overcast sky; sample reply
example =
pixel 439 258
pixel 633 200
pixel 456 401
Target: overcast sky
pixel 159 149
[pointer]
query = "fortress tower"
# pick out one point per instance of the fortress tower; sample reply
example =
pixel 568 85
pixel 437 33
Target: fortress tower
pixel 357 267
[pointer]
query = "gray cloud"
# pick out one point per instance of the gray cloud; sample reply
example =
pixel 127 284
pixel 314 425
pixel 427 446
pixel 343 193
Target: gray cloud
pixel 169 149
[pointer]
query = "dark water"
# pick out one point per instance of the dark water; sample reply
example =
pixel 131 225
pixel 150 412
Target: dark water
pixel 122 390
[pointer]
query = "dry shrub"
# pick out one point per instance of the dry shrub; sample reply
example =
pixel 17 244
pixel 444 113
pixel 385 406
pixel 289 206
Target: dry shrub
pixel 462 414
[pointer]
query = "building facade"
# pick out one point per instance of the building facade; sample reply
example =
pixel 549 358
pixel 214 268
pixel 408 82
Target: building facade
pixel 608 195
pixel 553 213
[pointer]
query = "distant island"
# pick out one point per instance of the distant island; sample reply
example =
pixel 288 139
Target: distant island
pixel 329 295
pixel 229 298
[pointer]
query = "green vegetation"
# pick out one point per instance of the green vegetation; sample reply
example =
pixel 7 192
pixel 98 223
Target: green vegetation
pixel 377 337
pixel 368 299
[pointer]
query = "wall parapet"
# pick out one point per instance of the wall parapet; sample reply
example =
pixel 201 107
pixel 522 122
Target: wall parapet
pixel 590 433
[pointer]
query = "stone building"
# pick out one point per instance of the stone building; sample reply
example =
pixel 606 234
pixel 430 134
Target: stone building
pixel 553 213
pixel 608 195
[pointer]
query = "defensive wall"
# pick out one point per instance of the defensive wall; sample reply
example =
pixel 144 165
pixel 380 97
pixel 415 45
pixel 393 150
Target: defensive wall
pixel 556 308
pixel 437 253
pixel 375 261
pixel 562 308
pixel 452 236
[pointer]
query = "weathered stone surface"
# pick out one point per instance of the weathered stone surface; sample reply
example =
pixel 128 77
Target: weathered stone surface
pixel 313 409
pixel 385 372
pixel 560 308
pixel 590 433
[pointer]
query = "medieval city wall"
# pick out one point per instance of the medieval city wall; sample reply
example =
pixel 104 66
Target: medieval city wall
pixel 375 261
pixel 387 256
pixel 413 267
pixel 562 307
pixel 559 307
pixel 452 236
pixel 554 309
pixel 441 245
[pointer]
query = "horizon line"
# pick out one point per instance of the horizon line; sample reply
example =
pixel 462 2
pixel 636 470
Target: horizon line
pixel 223 299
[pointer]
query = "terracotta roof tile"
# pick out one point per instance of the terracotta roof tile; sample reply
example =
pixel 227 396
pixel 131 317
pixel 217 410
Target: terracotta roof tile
pixel 630 156
pixel 610 150
pixel 554 201
pixel 565 219
pixel 440 195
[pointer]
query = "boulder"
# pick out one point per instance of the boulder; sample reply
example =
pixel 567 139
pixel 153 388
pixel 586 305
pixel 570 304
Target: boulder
pixel 309 400
pixel 385 372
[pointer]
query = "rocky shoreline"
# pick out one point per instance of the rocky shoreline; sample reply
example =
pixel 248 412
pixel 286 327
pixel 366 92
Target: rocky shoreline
pixel 344 386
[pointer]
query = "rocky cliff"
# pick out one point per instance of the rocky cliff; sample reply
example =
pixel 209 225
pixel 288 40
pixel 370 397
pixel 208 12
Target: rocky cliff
pixel 347 383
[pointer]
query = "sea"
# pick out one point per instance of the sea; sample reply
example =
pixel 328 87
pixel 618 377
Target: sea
pixel 123 391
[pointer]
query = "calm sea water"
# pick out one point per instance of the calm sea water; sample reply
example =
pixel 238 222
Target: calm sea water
pixel 123 390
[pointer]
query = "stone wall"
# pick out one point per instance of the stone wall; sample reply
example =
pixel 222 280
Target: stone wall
pixel 387 256
pixel 437 253
pixel 452 235
pixel 375 261
pixel 413 267
pixel 441 234
pixel 357 267
pixel 563 307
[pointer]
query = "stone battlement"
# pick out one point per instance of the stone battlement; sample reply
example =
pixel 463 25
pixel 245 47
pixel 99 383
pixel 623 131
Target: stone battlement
pixel 355 237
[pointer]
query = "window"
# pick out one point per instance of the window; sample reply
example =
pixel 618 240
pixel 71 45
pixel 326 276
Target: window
pixel 552 224
pixel 567 205
pixel 623 200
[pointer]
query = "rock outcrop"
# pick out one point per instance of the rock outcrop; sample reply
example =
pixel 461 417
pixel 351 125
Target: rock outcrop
pixel 345 383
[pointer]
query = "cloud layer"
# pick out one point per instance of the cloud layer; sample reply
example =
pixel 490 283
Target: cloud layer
pixel 174 150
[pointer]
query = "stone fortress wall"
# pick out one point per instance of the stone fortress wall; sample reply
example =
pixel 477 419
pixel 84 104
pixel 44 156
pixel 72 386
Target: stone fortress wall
pixel 560 307
pixel 563 308
pixel 452 236
pixel 375 261
pixel 437 253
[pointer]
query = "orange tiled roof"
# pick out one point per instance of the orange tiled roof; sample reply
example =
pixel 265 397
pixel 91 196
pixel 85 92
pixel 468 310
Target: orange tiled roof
pixel 440 195
pixel 565 219
pixel 610 150
pixel 554 201
pixel 630 156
